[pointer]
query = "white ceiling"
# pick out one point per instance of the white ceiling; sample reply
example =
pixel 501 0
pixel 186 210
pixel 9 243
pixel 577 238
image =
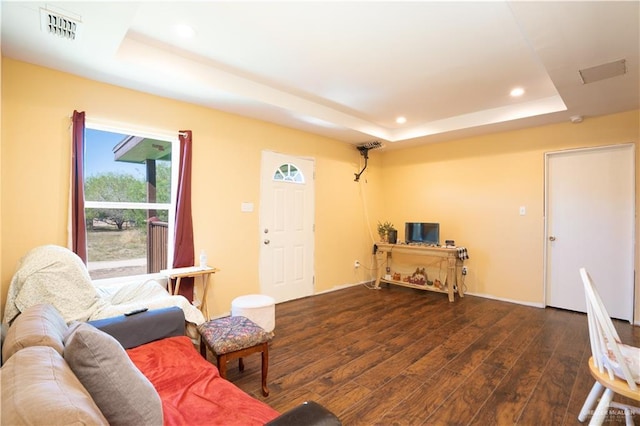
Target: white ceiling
pixel 348 69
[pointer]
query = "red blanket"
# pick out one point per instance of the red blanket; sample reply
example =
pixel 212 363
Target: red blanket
pixel 191 389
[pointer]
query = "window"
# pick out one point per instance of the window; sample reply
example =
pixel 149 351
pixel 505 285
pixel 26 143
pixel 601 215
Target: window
pixel 288 173
pixel 129 202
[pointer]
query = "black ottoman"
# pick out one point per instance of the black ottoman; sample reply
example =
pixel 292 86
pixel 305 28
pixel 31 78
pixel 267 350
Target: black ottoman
pixel 308 413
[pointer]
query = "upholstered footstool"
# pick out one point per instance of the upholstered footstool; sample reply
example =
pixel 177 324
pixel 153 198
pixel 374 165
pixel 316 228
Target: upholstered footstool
pixel 235 337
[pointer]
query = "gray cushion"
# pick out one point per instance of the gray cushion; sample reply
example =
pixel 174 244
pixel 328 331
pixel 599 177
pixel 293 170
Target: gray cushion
pixel 39 388
pixel 125 396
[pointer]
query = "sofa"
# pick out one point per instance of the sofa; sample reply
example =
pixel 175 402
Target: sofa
pixel 59 373
pixel 57 276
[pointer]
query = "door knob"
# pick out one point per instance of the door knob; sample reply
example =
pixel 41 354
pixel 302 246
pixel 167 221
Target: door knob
pixel 552 238
pixel 267 241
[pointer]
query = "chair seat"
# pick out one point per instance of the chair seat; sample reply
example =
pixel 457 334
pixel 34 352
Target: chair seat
pixel 231 334
pixel 616 384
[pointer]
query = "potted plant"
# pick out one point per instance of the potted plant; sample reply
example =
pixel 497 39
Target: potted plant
pixel 383 231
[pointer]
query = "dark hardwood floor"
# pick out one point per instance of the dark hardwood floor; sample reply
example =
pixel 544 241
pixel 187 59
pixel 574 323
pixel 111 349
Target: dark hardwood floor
pixel 398 356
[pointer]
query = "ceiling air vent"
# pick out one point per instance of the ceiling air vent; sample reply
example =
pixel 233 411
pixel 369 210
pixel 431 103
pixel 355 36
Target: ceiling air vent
pixel 61 24
pixel 601 72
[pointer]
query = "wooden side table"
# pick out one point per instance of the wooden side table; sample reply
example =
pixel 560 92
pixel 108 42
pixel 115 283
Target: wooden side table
pixel 454 265
pixel 190 271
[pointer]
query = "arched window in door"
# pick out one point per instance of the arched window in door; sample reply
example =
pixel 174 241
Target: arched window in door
pixel 288 173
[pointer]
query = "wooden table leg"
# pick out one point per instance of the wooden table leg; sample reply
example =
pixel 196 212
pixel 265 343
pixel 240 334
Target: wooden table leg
pixel 203 304
pixel 177 286
pixel 377 283
pixel 451 273
pixel 265 368
pixel 459 281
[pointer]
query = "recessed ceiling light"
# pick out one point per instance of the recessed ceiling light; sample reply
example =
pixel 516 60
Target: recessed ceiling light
pixel 184 30
pixel 518 91
pixel 401 120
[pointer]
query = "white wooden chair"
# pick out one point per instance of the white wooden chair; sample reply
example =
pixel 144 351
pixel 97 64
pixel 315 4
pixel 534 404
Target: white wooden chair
pixel 614 365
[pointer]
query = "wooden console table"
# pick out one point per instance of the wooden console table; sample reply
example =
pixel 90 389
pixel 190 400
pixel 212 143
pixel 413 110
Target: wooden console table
pixel 190 271
pixel 454 265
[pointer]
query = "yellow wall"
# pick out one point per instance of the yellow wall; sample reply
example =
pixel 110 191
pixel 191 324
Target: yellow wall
pixel 473 187
pixel 2 293
pixel 37 103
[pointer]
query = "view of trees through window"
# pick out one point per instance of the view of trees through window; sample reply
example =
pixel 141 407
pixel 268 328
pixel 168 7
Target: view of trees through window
pixel 127 185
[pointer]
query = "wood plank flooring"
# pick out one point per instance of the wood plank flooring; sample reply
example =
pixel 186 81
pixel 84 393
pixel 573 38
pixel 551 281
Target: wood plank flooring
pixel 399 356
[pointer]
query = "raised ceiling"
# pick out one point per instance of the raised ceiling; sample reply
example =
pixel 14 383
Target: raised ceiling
pixel 348 70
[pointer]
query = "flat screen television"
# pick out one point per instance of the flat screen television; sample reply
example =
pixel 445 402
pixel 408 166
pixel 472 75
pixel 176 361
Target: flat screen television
pixel 422 233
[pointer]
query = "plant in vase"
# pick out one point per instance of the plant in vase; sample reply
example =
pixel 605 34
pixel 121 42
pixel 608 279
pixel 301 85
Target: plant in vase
pixel 383 231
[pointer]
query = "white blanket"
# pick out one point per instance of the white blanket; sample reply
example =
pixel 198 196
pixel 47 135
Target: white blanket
pixel 57 276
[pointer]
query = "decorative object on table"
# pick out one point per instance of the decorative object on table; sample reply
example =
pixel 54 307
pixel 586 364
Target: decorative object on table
pixel 392 236
pixel 462 253
pixel 384 229
pixel 419 277
pixel 397 276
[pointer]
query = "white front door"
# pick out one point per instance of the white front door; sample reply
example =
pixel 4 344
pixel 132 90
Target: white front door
pixel 286 226
pixel 590 203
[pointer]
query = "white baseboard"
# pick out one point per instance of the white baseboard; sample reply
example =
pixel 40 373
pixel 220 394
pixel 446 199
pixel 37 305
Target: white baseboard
pixel 502 299
pixel 342 286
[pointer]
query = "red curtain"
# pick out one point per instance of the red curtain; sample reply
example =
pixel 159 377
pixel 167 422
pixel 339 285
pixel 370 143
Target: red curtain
pixel 78 228
pixel 183 254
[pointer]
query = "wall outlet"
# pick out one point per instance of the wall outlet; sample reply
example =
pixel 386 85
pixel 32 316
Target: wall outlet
pixel 464 270
pixel 356 264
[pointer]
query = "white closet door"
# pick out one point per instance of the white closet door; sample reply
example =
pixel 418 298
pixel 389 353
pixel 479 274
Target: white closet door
pixel 590 207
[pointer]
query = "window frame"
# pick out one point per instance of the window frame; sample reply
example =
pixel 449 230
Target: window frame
pixel 165 135
pixel 287 177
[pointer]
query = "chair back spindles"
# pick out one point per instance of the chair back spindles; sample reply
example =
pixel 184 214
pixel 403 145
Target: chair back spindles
pixel 605 342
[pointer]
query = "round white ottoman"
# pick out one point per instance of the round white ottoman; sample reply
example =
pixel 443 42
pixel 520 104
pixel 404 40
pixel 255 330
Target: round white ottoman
pixel 259 308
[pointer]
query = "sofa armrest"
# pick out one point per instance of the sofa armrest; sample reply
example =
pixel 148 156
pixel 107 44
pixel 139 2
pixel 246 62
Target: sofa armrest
pixel 309 413
pixel 145 327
